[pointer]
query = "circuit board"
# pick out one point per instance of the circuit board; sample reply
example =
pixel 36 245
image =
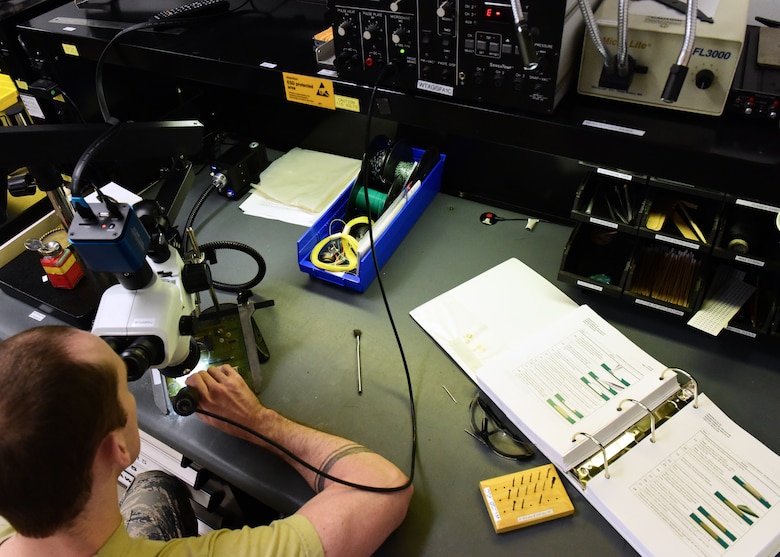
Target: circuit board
pixel 524 498
pixel 221 341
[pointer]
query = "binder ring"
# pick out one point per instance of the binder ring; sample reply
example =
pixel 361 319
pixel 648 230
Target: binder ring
pixel 603 450
pixel 690 377
pixel 652 416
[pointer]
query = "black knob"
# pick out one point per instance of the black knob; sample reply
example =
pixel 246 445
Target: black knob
pixel 187 325
pixel 347 58
pixel 196 277
pixel 704 79
pixel 399 35
pixel 371 31
pixel 345 28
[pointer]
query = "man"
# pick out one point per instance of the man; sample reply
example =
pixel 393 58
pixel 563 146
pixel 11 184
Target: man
pixel 68 423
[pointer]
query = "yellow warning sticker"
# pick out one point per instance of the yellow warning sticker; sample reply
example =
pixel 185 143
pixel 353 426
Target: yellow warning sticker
pixel 313 91
pixel 347 103
pixel 70 49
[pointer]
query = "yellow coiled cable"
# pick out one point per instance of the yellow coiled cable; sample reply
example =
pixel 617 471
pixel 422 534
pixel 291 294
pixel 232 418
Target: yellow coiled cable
pixel 349 248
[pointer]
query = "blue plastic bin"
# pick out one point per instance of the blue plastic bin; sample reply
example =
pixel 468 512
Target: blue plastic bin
pixel 385 244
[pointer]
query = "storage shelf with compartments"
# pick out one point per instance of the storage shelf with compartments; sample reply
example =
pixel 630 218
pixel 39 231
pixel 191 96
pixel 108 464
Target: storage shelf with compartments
pixel 690 252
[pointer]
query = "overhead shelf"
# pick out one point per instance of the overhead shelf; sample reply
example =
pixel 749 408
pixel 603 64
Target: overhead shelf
pixel 251 51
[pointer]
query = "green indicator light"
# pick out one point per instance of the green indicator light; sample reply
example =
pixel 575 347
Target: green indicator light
pixel 403 51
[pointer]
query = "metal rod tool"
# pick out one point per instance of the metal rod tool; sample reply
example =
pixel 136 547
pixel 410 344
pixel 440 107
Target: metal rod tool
pixel 356 332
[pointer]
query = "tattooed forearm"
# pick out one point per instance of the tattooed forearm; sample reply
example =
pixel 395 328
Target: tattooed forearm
pixel 333 458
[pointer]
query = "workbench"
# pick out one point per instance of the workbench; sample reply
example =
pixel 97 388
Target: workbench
pixel 311 375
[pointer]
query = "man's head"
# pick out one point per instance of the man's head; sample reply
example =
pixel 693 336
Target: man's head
pixel 62 392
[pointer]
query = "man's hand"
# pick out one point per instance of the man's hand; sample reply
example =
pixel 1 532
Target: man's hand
pixel 224 392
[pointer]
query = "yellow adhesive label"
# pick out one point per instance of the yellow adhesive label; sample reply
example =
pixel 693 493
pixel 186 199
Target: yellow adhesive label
pixel 70 49
pixel 62 266
pixel 348 103
pixel 313 91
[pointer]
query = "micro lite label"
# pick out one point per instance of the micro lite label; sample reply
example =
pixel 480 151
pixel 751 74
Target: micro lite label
pixel 313 91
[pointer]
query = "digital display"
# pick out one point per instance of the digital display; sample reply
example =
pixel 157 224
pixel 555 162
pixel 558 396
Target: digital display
pixel 494 11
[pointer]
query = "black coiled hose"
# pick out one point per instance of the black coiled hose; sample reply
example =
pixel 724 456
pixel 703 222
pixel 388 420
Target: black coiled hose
pixel 225 244
pixel 237 246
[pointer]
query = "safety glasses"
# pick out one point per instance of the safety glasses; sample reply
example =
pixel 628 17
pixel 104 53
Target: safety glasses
pixel 488 430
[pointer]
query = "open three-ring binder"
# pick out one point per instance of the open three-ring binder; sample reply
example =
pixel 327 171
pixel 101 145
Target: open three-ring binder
pixel 661 462
pixel 679 478
pixel 704 487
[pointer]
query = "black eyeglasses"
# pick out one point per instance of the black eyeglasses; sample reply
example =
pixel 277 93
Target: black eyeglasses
pixel 488 430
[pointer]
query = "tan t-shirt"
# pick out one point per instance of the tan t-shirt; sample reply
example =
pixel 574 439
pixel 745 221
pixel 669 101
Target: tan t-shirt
pixel 291 536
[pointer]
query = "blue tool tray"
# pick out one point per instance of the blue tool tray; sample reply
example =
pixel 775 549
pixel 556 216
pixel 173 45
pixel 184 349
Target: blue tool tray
pixel 385 243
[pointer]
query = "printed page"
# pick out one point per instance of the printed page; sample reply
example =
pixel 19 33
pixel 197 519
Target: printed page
pixel 486 316
pixel 705 488
pixel 571 378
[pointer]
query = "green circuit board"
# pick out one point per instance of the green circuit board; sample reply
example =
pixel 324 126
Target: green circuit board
pixel 221 341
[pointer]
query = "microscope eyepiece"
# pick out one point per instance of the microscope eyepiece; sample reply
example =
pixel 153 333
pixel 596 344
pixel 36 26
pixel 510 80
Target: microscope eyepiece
pixel 141 354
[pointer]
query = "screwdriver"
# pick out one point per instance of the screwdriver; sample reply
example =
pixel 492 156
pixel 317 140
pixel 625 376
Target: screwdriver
pixel 357 333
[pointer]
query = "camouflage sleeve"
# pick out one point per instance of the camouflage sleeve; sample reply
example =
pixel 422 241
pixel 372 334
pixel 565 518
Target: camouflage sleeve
pixel 157 506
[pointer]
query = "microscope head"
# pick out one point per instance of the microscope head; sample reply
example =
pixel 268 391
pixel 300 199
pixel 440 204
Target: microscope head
pixel 139 317
pixel 148 326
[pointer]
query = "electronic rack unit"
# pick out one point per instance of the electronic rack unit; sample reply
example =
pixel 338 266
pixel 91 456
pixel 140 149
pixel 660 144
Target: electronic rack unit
pixel 468 51
pixel 654 39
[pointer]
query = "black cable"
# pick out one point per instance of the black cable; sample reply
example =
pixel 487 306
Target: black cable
pixel 100 93
pixel 302 462
pixel 412 411
pixel 364 170
pixel 73 105
pixel 86 156
pixel 390 67
pixel 101 97
pixel 193 213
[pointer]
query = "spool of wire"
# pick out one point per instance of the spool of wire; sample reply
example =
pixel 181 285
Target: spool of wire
pixel 398 164
pixel 376 157
pixel 388 168
pixel 377 201
pixel 403 170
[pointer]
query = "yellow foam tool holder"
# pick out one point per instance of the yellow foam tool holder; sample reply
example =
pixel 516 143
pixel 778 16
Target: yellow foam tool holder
pixel 525 498
pixel 8 92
